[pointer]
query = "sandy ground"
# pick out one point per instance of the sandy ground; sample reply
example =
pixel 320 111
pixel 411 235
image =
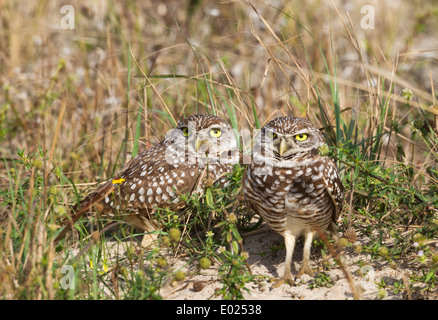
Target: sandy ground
pixel 264 261
pixel 367 274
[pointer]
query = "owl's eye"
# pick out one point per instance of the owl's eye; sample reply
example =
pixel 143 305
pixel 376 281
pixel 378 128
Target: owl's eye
pixel 185 131
pixel 271 135
pixel 301 137
pixel 215 133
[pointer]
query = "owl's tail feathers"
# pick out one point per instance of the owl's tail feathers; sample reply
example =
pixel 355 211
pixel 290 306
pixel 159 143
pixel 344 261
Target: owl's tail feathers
pixel 93 199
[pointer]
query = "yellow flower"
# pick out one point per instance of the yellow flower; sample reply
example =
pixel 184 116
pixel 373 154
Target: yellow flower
pixel 118 181
pixel 232 217
pixel 105 268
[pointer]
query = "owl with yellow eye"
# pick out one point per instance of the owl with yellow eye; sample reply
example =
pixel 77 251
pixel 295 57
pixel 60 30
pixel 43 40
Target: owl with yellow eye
pixel 296 190
pixel 201 145
pixel 201 150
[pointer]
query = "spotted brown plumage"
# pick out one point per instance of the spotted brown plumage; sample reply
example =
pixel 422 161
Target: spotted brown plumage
pixel 200 150
pixel 295 189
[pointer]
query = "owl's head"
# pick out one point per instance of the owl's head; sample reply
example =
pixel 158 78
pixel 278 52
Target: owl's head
pixel 287 137
pixel 204 137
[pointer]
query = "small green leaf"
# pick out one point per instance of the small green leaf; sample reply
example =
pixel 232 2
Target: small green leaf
pixel 209 198
pixel 235 246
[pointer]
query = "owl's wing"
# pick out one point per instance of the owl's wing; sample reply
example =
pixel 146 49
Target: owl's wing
pixel 109 196
pixel 96 200
pixel 152 179
pixel 144 182
pixel 333 185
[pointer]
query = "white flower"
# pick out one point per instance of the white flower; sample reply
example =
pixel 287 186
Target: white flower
pixel 407 94
pixel 209 234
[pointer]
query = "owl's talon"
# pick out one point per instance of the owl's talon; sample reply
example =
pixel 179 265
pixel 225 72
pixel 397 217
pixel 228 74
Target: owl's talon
pixel 305 269
pixel 278 283
pixel 287 278
pixel 283 280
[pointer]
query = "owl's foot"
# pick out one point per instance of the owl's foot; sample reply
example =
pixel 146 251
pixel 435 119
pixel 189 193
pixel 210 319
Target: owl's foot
pixel 287 278
pixel 147 240
pixel 305 268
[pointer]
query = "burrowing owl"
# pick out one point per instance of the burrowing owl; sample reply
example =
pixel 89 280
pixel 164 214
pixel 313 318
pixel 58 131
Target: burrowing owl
pixel 295 189
pixel 202 148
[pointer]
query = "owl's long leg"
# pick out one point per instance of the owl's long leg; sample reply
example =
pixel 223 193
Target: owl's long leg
pixel 289 240
pixel 143 224
pixel 305 268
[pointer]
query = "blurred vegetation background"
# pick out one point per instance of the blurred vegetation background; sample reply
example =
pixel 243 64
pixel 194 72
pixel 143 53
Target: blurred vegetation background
pixel 169 59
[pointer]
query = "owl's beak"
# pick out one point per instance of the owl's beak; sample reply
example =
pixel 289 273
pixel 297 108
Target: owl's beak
pixel 283 147
pixel 199 143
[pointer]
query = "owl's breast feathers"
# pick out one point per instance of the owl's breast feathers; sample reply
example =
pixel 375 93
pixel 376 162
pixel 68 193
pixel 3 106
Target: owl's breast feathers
pixel 302 186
